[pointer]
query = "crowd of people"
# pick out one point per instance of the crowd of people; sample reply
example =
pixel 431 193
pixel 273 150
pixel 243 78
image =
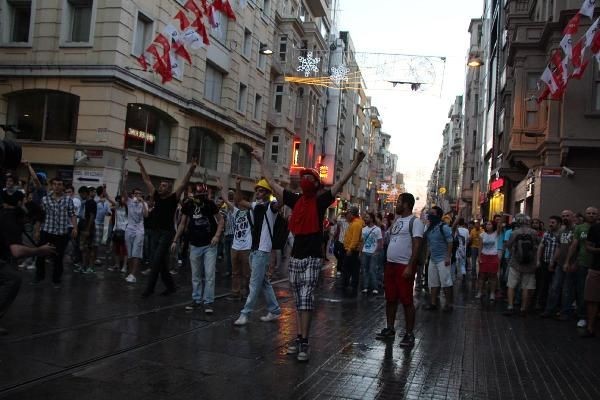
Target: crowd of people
pixel 546 270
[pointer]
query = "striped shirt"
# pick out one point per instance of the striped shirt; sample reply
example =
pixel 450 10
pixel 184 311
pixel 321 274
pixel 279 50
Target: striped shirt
pixel 58 214
pixel 550 242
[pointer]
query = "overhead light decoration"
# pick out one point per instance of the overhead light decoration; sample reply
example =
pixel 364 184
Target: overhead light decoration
pixel 308 64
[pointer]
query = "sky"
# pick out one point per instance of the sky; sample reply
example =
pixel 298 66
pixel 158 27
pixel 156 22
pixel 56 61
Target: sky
pixel 414 120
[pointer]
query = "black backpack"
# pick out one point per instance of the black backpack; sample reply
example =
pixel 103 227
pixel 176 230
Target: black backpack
pixel 524 248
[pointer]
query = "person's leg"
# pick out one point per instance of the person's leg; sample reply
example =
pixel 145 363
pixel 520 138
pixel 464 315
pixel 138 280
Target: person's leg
pixel 391 308
pixel 365 259
pixel 592 314
pixel 581 275
pixel 195 265
pixel 555 292
pixel 409 318
pixel 10 282
pixel 245 261
pixel 210 262
pixel 434 283
pixel 267 288
pixel 164 243
pixel 568 295
pixel 236 272
pixel 40 262
pixel 256 280
pixel 310 283
pixel 61 244
pixel 227 253
pixel 513 282
pixel 493 282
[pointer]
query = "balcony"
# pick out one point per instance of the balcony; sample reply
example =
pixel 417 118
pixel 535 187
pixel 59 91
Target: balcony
pixel 318 8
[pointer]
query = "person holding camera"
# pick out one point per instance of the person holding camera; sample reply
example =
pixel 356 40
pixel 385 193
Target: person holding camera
pixel 11 245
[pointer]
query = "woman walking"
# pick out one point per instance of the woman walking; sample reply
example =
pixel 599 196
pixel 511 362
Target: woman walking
pixel 488 261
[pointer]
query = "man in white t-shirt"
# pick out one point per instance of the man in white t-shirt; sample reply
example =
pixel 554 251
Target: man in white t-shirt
pixel 372 240
pixel 460 266
pixel 262 221
pixel 406 235
pixel 240 252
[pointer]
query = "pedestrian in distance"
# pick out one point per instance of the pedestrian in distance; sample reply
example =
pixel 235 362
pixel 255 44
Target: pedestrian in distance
pixel 352 246
pixel 545 262
pixel 137 210
pixel 399 276
pixel 439 240
pixel 306 224
pixel 372 240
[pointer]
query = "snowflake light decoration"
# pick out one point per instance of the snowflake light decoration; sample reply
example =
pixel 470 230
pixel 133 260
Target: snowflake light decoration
pixel 308 64
pixel 339 74
pixel 384 187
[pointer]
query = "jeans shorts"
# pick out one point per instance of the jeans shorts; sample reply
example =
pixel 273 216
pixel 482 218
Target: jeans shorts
pixel 135 244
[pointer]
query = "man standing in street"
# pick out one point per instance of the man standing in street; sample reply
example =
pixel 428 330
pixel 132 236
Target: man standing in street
pixel 352 246
pixel 475 243
pixel 204 223
pixel 439 274
pixel 165 205
pixel 87 230
pixel 592 282
pixel 401 267
pixel 338 247
pixel 137 210
pixel 306 221
pixel 103 204
pixel 545 259
pixel 59 212
pixel 577 263
pixel 262 221
pixel 11 245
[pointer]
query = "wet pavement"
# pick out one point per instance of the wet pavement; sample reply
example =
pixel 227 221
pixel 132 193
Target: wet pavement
pixel 96 338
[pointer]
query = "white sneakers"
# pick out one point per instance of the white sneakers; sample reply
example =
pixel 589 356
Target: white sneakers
pixel 146 271
pixel 242 320
pixel 131 279
pixel 582 323
pixel 270 317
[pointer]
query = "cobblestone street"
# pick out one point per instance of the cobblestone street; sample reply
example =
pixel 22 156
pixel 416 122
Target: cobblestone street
pixel 97 339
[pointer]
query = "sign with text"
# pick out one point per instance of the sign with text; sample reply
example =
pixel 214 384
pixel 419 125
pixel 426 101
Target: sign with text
pixel 88 177
pixel 551 172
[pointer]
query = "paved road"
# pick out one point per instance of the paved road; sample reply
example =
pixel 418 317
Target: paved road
pixel 97 339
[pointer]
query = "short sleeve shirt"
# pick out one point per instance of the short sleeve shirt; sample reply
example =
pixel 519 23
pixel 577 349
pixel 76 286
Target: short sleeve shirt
pixel 400 247
pixel 202 224
pixel 10 233
pixel 164 212
pixel 135 216
pixel 438 237
pixel 242 236
pixel 581 233
pixel 370 236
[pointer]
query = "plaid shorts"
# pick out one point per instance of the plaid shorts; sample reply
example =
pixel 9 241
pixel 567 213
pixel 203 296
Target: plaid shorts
pixel 304 278
pixel 98 235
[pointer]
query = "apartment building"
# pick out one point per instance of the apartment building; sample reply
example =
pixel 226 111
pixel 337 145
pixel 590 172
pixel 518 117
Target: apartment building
pixel 76 97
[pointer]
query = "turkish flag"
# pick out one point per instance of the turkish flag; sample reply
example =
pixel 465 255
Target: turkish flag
pixel 201 30
pixel 153 50
pixel 143 63
pixel 544 95
pixel 183 21
pixel 550 81
pixel 591 32
pixel 181 51
pixel 228 10
pixel 578 50
pixel 573 25
pixel 191 6
pixel 580 70
pixel 211 17
pixel 163 41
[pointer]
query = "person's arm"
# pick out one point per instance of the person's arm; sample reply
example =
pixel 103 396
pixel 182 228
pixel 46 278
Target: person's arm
pixel 540 253
pixel 572 251
pixel 144 208
pixel 266 173
pixel 219 186
pixel 589 246
pixel 220 227
pixel 379 245
pixel 34 177
pixel 180 230
pixel 237 198
pixel 337 187
pixel 186 179
pixel 145 177
pixel 21 251
pixel 412 263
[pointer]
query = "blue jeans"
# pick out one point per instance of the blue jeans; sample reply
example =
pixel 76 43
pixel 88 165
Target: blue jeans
pixel 573 290
pixel 259 264
pixel 556 289
pixel 369 263
pixel 228 242
pixel 203 260
pixel 474 258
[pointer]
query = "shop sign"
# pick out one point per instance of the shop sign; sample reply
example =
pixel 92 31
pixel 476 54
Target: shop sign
pixel 551 172
pixel 497 184
pixel 136 133
pixel 94 153
pixel 88 177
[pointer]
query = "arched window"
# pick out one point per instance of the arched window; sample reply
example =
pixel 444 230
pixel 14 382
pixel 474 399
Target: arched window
pixel 240 159
pixel 42 115
pixel 148 129
pixel 204 145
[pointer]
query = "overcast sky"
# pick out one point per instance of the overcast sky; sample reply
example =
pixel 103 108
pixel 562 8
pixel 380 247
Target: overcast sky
pixel 435 27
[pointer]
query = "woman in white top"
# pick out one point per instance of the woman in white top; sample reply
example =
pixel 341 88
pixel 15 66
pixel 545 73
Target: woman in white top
pixel 488 261
pixel 119 221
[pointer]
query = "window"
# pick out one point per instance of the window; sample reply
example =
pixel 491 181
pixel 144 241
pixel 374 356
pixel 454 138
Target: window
pixel 43 115
pixel 242 98
pixel 220 32
pixel 266 9
pixel 79 20
pixel 240 159
pixel 204 145
pixel 275 148
pixel 278 98
pixel 296 152
pixel 532 81
pixel 257 107
pixel 247 49
pixel 18 21
pixel 283 47
pixel 143 34
pixel 213 84
pixel 262 59
pixel 148 130
pixel 532 119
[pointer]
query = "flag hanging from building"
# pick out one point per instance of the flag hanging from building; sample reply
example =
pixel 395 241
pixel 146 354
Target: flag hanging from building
pixel 587 8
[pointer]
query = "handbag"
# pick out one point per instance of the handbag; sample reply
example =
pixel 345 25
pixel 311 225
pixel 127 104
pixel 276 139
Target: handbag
pixel 118 235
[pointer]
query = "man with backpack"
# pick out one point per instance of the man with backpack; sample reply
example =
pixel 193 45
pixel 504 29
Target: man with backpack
pixel 204 224
pixel 439 240
pixel 522 245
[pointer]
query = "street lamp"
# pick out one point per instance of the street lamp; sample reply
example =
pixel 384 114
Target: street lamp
pixel 264 49
pixel 474 61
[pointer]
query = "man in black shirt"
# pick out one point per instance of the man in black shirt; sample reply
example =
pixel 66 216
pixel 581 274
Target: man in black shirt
pixel 165 205
pixel 204 224
pixel 306 221
pixel 12 217
pixel 591 292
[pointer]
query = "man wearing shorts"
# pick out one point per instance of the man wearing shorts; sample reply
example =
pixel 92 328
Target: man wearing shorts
pixel 439 274
pixel 137 210
pixel 103 204
pixel 401 267
pixel 523 244
pixel 306 221
pixel 592 281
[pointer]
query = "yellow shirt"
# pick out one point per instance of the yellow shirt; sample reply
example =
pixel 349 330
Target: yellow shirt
pixel 352 240
pixel 475 237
